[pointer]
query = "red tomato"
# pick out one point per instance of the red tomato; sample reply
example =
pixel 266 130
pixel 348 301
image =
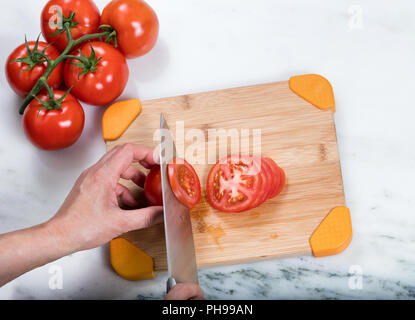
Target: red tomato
pixel 240 183
pixel 267 180
pixel 281 184
pixel 152 187
pixel 54 129
pixel 136 25
pixel 105 77
pixel 234 184
pixel 183 180
pixel 85 21
pixel 271 169
pixel 22 80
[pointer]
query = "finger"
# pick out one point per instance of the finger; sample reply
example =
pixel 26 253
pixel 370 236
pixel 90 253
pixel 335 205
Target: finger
pixel 185 291
pixel 125 196
pixel 108 154
pixel 141 218
pixel 135 175
pixel 122 158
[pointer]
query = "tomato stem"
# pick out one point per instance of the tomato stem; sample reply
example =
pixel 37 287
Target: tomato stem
pixel 42 82
pixel 52 104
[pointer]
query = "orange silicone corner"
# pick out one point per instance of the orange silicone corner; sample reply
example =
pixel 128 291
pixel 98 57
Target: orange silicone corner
pixel 314 89
pixel 118 117
pixel 130 262
pixel 334 233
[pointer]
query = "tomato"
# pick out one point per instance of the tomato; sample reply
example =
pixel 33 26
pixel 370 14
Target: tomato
pixel 54 129
pixel 273 175
pixel 267 180
pixel 234 184
pixel 152 187
pixel 136 25
pixel 85 21
pixel 240 183
pixel 281 184
pixel 103 77
pixel 183 181
pixel 278 178
pixel 19 75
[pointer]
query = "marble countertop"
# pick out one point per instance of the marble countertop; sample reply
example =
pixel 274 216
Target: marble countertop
pixel 365 48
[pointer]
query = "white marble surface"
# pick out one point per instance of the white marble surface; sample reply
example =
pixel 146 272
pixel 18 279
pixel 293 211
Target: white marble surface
pixel 217 44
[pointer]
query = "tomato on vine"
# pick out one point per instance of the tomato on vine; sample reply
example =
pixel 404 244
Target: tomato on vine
pixel 136 25
pixel 98 73
pixel 82 16
pixel 27 63
pixel 53 120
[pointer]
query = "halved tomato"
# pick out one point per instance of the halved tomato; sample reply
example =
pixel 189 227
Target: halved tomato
pixel 234 183
pixel 184 182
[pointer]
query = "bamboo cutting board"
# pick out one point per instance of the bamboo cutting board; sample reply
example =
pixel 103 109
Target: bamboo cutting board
pixel 298 132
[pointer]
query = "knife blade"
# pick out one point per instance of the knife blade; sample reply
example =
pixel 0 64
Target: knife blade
pixel 181 258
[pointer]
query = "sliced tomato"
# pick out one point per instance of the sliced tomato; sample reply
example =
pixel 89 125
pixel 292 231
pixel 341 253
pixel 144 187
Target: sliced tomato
pixel 184 182
pixel 282 183
pixel 234 183
pixel 241 183
pixel 279 177
pixel 275 176
pixel 267 178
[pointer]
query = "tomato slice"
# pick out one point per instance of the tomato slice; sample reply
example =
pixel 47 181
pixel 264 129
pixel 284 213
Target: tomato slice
pixel 233 184
pixel 184 182
pixel 275 176
pixel 279 177
pixel 268 180
pixel 241 183
pixel 282 183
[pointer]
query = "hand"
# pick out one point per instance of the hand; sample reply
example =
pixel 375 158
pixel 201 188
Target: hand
pixel 90 215
pixel 185 291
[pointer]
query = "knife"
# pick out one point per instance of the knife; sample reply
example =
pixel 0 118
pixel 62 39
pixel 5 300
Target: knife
pixel 181 258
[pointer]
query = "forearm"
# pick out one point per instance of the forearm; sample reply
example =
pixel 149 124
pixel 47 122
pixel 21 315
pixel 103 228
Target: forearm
pixel 24 250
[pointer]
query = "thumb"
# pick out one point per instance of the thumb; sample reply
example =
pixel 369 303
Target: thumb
pixel 185 291
pixel 141 218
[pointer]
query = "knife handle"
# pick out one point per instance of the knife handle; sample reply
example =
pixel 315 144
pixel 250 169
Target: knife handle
pixel 171 282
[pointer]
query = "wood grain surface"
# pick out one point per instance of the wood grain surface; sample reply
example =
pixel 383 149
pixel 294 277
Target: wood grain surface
pixel 298 136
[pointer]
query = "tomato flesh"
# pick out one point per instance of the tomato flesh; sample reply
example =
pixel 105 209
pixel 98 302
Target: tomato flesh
pixel 183 181
pixel 241 183
pixel 233 184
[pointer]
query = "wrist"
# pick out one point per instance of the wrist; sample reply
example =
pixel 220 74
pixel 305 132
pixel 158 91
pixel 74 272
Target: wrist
pixel 59 235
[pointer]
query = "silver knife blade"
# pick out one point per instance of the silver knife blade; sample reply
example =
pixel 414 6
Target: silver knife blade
pixel 181 259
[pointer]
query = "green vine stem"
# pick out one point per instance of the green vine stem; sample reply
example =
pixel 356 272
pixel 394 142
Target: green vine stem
pixel 64 55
